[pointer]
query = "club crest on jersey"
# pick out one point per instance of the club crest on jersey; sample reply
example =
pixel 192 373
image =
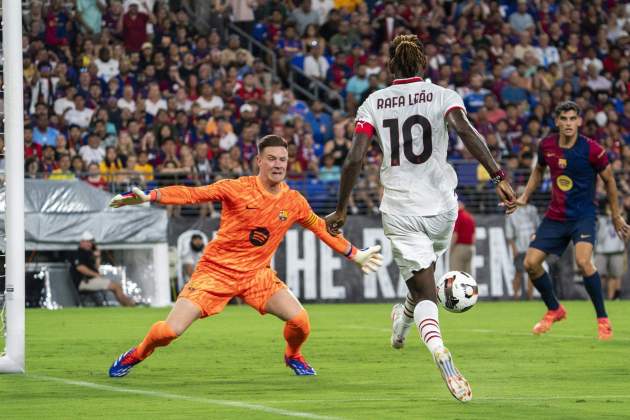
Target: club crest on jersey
pixel 562 163
pixel 283 216
pixel 564 183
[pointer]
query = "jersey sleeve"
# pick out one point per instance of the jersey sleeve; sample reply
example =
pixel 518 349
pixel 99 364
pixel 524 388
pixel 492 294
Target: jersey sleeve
pixel 597 156
pixel 451 100
pixel 309 220
pixel 177 194
pixel 364 122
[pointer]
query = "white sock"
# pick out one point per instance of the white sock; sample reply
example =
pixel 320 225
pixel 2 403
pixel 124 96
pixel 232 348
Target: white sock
pixel 426 316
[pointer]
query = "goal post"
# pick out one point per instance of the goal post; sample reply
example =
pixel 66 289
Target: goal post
pixel 12 356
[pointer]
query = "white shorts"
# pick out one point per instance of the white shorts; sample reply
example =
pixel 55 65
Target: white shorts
pixel 94 284
pixel 418 241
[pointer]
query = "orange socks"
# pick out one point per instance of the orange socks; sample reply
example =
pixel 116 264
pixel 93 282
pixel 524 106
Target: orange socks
pixel 296 331
pixel 160 334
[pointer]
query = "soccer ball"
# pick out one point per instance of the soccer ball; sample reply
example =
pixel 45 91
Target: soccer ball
pixel 457 291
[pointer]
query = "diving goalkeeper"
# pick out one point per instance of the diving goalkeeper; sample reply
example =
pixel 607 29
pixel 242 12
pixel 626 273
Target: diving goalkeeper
pixel 257 212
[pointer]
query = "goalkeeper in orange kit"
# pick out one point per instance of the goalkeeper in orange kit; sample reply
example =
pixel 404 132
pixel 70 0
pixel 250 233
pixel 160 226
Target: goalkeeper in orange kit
pixel 256 213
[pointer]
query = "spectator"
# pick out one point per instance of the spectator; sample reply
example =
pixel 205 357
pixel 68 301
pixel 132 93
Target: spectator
pixel 43 86
pixel 154 101
pixel 339 146
pixel 190 258
pixel 512 93
pixel 474 98
pixel 208 101
pixel 144 167
pixel 80 115
pixel 344 39
pixel 329 171
pixel 520 20
pixel 85 263
pixel 90 15
pixel 95 178
pixel 321 122
pixel 63 172
pixel 48 163
pixel 388 24
pixel 520 228
pixel 610 254
pixel 595 81
pixel 44 134
pixel 356 86
pixel 31 168
pixel 66 102
pixel 77 166
pixel 31 148
pixel 304 16
pixel 315 64
pixel 228 55
pixel 92 151
pixel 111 165
pixel 61 147
pixel 463 241
pixel 133 26
pixel 107 66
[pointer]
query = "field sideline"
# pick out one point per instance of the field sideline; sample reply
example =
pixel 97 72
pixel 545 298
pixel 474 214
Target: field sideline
pixel 230 366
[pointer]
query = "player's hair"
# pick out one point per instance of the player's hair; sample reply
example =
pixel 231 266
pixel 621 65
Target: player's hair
pixel 565 107
pixel 406 56
pixel 270 141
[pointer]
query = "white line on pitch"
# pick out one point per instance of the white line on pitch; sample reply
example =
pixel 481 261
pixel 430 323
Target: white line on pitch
pixel 208 401
pixel 487 331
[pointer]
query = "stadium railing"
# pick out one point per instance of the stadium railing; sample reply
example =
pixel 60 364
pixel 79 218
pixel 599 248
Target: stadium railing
pixel 479 196
pixel 306 86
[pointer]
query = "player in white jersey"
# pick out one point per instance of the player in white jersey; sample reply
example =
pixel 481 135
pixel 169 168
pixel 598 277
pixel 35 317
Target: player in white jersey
pixel 411 119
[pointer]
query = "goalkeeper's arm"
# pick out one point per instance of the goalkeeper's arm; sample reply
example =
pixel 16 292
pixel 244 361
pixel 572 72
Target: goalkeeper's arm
pixel 176 194
pixel 368 259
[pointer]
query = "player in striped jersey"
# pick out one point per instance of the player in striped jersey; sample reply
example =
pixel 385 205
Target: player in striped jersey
pixel 410 120
pixel 575 162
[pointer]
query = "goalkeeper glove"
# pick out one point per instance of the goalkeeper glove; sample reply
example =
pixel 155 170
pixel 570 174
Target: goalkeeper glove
pixel 130 198
pixel 368 259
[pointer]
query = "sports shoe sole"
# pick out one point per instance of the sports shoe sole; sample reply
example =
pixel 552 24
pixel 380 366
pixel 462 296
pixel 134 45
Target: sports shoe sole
pixel 455 382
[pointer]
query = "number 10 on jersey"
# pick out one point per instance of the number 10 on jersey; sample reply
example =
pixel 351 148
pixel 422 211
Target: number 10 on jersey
pixel 394 137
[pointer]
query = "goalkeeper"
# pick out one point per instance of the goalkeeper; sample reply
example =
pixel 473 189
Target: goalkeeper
pixel 257 212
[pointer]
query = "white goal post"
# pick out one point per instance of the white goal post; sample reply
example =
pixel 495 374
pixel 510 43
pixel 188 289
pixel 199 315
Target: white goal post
pixel 12 356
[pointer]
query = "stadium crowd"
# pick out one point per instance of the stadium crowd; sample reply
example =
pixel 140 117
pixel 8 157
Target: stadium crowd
pixel 152 92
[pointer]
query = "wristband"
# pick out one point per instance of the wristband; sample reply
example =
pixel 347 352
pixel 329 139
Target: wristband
pixel 497 177
pixel 351 253
pixel 153 195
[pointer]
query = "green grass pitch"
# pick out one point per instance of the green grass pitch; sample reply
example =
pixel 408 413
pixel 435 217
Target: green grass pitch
pixel 230 367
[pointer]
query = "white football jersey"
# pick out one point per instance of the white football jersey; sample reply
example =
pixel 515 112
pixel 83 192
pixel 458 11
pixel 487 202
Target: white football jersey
pixel 409 119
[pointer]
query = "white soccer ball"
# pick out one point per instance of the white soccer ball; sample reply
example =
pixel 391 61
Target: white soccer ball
pixel 457 291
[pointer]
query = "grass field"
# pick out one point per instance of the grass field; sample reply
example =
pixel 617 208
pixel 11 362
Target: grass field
pixel 230 366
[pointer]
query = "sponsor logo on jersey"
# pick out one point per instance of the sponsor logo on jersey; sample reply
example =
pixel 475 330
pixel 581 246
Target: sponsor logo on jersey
pixel 283 216
pixel 259 236
pixel 564 183
pixel 562 163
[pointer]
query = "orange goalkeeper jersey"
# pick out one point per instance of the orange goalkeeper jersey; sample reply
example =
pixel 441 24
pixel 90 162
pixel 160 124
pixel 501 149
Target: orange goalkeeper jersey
pixel 253 222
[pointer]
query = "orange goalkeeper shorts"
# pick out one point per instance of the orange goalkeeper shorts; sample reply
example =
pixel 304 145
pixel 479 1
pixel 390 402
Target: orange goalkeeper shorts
pixel 211 291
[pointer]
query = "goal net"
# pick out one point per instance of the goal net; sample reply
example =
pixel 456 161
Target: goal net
pixel 12 176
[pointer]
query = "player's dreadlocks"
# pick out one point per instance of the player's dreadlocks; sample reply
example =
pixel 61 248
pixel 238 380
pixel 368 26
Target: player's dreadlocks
pixel 406 56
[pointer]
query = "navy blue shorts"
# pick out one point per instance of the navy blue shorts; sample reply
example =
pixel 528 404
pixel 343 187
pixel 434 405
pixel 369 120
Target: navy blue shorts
pixel 552 237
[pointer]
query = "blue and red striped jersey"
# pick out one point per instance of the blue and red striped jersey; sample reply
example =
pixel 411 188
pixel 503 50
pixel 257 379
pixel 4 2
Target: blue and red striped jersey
pixel 573 175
